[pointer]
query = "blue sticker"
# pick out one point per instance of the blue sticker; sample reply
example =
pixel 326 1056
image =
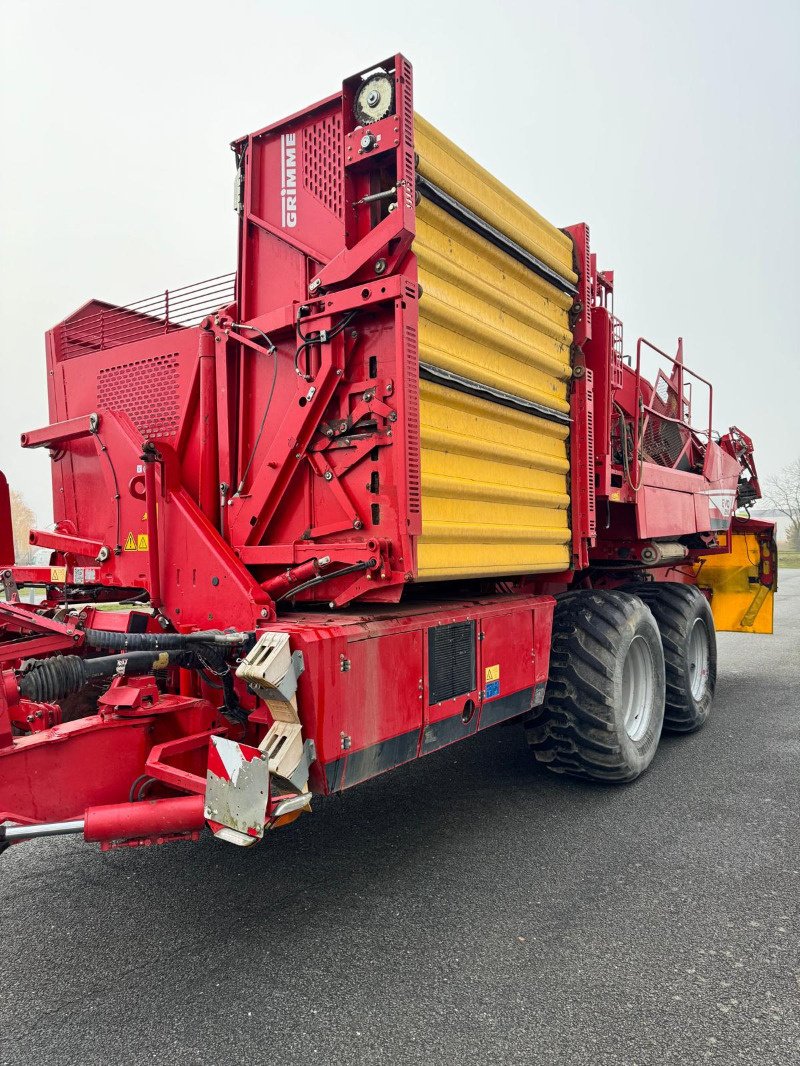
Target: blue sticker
pixel 492 689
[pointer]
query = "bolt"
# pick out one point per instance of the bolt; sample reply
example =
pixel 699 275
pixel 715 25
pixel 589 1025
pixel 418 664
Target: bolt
pixel 393 416
pixel 264 612
pixel 373 98
pixel 357 524
pixel 368 142
pixel 380 266
pixel 328 475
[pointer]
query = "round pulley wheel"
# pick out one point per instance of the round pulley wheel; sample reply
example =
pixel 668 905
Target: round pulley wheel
pixel 374 100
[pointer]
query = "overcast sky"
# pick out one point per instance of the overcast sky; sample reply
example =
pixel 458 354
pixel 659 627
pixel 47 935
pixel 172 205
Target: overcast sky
pixel 671 128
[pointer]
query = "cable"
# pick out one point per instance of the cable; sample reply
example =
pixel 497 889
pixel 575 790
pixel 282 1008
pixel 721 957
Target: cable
pixel 257 441
pixel 625 457
pixel 243 325
pixel 307 342
pixel 117 497
pixel 323 337
pixel 365 564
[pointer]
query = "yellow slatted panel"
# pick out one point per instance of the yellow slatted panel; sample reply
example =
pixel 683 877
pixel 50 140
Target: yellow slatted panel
pixel 444 164
pixel 494 480
pixel 494 497
pixel 486 317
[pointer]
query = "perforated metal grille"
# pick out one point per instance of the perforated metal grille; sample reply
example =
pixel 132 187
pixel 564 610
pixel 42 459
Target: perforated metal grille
pixel 322 162
pixel 665 398
pixel 147 391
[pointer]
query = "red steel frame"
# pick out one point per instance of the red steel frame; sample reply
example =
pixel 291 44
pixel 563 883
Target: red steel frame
pixel 217 466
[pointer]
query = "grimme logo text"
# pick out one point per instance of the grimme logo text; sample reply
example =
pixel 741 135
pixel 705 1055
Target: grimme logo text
pixel 288 181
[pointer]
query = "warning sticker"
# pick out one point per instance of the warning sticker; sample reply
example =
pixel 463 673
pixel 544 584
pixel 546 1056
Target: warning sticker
pixel 130 543
pixel 492 681
pixel 58 574
pixel 141 542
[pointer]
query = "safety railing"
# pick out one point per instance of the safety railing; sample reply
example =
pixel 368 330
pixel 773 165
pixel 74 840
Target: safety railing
pixel 666 428
pixel 101 326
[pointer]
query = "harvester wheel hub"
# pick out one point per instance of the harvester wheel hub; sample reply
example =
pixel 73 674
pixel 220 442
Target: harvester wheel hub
pixel 637 688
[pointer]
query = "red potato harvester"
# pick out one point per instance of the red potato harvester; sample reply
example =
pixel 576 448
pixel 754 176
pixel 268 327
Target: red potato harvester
pixel 391 483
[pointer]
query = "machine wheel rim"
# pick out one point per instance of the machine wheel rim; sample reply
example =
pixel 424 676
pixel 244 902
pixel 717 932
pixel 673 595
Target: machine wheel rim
pixel 637 688
pixel 698 659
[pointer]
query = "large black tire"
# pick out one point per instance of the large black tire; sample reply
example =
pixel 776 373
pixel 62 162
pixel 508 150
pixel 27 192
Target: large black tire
pixel 690 657
pixel 587 725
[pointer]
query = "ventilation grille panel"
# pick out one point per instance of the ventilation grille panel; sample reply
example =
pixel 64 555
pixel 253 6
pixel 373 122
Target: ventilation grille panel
pixel 323 162
pixel 147 391
pixel 451 661
pixel 412 419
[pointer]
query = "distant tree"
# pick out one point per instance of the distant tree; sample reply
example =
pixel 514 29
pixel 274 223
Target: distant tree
pixel 783 492
pixel 22 519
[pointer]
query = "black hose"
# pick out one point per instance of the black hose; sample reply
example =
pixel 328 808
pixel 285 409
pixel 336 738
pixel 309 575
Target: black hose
pixel 365 564
pixel 109 640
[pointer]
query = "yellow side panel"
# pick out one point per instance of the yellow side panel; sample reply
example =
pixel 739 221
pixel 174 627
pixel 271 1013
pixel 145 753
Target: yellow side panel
pixel 494 489
pixel 494 479
pixel 740 601
pixel 445 165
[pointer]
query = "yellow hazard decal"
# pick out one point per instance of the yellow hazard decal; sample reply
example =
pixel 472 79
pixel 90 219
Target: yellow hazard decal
pixel 493 672
pixel 58 574
pixel 136 543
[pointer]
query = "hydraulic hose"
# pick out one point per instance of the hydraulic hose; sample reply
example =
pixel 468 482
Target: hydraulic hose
pixel 110 640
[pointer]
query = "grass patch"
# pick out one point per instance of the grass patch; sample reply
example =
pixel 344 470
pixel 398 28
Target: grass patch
pixel 788 560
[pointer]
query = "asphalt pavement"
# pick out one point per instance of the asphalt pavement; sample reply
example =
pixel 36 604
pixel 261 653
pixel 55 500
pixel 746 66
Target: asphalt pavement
pixel 470 908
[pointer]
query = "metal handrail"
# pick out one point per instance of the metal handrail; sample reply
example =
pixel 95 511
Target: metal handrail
pixel 677 361
pixel 166 312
